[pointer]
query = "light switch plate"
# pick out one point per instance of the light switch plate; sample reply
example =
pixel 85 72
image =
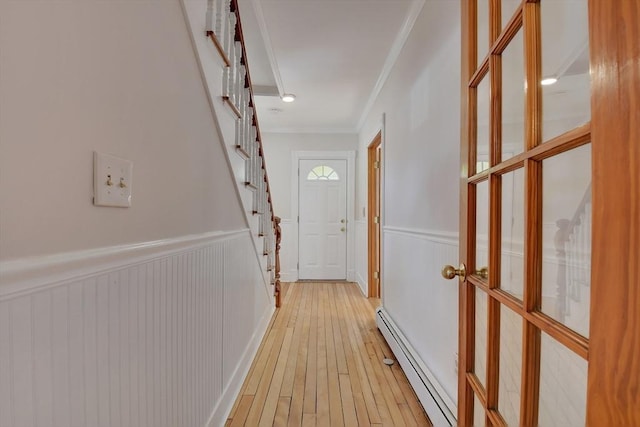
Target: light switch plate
pixel 112 180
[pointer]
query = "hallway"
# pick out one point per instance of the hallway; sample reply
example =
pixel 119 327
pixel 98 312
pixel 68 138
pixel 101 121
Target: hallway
pixel 320 363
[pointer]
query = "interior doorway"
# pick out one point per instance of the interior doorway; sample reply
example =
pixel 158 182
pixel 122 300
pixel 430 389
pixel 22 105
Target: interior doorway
pixel 374 153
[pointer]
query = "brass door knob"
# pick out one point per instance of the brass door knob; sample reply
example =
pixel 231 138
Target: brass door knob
pixel 342 229
pixel 483 273
pixel 449 272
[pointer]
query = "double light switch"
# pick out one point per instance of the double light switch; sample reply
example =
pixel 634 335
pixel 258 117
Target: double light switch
pixel 112 179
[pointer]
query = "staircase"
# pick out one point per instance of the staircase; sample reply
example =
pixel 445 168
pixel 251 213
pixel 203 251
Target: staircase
pixel 223 32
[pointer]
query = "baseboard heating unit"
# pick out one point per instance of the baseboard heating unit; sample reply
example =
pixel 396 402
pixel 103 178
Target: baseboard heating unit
pixel 435 402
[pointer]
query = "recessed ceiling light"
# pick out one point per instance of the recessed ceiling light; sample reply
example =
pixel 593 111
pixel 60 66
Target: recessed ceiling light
pixel 288 97
pixel 548 81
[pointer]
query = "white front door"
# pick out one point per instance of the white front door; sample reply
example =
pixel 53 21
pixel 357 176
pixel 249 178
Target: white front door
pixel 323 219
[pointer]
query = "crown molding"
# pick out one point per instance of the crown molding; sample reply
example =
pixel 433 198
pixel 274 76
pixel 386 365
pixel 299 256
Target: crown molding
pixel 392 57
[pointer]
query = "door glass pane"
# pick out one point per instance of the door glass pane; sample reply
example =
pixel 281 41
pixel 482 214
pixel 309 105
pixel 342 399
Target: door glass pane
pixel 508 9
pixel 510 365
pixel 478 412
pixel 480 364
pixel 563 385
pixel 513 97
pixel 482 150
pixel 482 224
pixel 512 256
pixel 323 173
pixel 565 60
pixel 566 236
pixel 483 30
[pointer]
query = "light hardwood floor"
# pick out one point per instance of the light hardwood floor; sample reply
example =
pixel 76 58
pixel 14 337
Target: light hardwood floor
pixel 320 364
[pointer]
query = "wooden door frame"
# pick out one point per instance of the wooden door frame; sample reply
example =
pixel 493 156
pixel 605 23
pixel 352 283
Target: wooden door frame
pixel 349 156
pixel 613 346
pixel 373 200
pixel 465 289
pixel 614 354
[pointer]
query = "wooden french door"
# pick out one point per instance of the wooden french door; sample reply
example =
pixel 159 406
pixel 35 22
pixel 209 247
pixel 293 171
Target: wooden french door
pixel 550 217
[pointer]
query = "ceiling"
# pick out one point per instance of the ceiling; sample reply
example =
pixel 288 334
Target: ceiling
pixel 334 55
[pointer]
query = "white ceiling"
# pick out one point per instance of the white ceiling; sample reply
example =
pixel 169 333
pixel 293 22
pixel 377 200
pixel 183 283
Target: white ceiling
pixel 332 54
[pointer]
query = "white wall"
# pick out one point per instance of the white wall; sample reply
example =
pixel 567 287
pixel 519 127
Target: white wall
pixel 278 149
pixel 421 105
pixel 119 78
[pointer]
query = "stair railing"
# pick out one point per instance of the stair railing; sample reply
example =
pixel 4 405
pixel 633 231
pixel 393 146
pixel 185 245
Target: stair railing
pixel 224 28
pixel 573 250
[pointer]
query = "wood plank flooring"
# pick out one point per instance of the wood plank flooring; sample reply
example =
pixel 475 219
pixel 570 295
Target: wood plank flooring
pixel 320 364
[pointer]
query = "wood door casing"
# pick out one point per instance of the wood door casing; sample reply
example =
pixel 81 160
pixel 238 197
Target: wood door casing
pixel 374 159
pixel 612 397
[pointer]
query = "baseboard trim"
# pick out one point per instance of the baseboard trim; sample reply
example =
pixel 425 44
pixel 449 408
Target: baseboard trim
pixel 290 276
pixel 431 394
pixel 351 275
pixel 223 409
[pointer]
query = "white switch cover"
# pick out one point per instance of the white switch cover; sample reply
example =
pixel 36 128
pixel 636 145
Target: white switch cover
pixel 112 180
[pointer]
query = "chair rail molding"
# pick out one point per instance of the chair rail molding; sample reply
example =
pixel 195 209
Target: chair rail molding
pixel 446 237
pixel 25 275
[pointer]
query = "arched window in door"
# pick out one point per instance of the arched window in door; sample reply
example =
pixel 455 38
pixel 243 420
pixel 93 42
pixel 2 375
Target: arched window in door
pixel 323 173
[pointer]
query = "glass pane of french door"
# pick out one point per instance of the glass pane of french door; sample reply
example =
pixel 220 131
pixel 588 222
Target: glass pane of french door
pixel 563 385
pixel 482 31
pixel 566 86
pixel 513 98
pixel 510 365
pixel 512 234
pixel 566 235
pixel 531 219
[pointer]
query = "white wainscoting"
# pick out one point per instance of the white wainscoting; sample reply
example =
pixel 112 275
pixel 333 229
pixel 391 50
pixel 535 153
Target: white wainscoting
pixel 288 251
pixel 421 303
pixel 362 259
pixel 163 336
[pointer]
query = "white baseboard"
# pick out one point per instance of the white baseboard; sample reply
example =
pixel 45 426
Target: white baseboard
pixel 431 394
pixel 351 275
pixel 230 394
pixel 289 276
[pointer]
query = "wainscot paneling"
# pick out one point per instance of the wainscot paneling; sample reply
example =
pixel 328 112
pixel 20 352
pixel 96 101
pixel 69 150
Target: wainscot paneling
pixel 422 304
pixel 362 251
pixel 289 251
pixel 160 337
